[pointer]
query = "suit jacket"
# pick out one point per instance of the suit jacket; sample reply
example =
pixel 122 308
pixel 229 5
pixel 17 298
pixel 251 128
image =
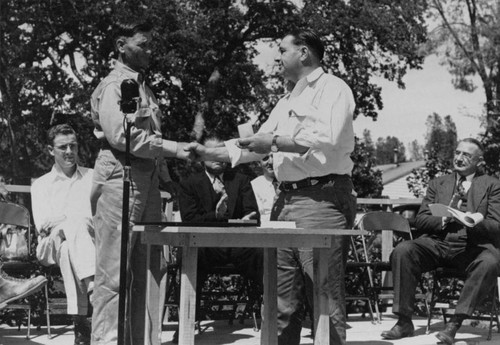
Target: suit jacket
pixel 197 198
pixel 483 197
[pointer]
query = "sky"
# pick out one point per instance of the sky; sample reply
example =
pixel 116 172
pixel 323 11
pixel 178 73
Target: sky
pixel 427 90
pixel 405 111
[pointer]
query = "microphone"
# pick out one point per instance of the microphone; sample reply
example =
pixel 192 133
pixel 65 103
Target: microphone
pixel 130 96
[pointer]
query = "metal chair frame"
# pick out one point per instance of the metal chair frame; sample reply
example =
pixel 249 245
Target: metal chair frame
pixel 18 215
pixel 384 221
pixel 452 273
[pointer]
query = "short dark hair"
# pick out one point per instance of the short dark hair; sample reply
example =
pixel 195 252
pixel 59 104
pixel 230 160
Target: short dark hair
pixel 310 39
pixel 475 142
pixel 129 29
pixel 62 129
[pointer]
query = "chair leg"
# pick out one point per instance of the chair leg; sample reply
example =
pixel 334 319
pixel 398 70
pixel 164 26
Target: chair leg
pixel 29 323
pixel 47 311
pixel 433 303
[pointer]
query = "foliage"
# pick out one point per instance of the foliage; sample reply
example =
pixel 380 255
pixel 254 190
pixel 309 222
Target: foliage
pixel 53 54
pixel 434 167
pixel 389 147
pixel 367 181
pixel 416 151
pixel 366 38
pixel 441 138
pixel 467 36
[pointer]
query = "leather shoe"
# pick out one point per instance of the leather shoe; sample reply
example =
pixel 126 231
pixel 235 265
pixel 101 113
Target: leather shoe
pixel 12 289
pixel 400 330
pixel 447 335
pixel 83 330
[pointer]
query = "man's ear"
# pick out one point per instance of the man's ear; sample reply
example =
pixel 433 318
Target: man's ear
pixel 120 43
pixel 304 53
pixel 51 150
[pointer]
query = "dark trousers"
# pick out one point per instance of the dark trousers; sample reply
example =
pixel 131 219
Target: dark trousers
pixel 327 206
pixel 412 258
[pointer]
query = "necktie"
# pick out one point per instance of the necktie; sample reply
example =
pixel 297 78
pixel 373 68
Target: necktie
pixel 219 186
pixel 459 193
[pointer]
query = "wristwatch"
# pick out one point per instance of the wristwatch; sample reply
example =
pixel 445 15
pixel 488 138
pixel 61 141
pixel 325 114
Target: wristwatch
pixel 274 144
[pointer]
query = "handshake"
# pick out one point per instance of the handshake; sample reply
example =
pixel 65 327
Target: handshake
pixel 259 143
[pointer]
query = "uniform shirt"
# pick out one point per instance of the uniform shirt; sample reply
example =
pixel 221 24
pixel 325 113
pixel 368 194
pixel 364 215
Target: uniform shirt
pixel 54 195
pixel 318 114
pixel 145 137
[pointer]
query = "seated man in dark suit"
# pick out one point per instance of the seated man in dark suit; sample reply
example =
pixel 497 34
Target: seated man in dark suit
pixel 447 242
pixel 216 195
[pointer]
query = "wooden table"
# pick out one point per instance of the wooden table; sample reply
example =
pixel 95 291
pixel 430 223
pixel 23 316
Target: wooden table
pixel 191 238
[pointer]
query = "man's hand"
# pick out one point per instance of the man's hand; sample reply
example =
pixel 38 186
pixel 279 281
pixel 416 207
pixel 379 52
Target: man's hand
pixel 50 224
pixel 221 208
pixel 259 143
pixel 185 152
pixel 197 150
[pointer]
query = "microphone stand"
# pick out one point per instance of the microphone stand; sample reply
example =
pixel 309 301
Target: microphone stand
pixel 122 297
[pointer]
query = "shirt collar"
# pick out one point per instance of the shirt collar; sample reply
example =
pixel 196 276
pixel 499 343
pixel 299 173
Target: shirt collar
pixel 120 66
pixel 211 177
pixel 314 75
pixel 305 81
pixel 59 174
pixel 468 178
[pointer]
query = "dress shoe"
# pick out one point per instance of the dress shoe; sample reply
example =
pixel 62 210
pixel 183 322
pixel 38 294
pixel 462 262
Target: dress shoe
pixel 82 330
pixel 12 289
pixel 447 335
pixel 400 330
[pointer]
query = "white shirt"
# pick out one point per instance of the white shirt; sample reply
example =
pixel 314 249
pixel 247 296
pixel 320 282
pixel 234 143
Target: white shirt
pixel 318 114
pixel 55 195
pixel 264 194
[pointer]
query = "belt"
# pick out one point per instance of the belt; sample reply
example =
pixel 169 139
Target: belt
pixel 307 182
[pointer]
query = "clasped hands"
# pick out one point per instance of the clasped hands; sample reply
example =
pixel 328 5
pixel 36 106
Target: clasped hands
pixel 258 143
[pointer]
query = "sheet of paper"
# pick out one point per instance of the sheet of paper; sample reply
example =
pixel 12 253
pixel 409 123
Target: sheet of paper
pixel 277 225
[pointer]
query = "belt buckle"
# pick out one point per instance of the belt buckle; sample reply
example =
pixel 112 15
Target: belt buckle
pixel 294 186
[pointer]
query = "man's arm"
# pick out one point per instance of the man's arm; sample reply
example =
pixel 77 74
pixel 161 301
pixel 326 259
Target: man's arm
pixel 425 222
pixel 490 226
pixel 142 143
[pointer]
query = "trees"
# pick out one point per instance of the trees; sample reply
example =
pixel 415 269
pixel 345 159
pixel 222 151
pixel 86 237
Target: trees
pixel 468 37
pixel 388 148
pixel 441 138
pixel 53 54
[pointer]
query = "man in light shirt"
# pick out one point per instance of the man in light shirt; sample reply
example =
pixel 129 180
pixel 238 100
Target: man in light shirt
pixel 310 134
pixel 264 188
pixel 61 210
pixel 445 241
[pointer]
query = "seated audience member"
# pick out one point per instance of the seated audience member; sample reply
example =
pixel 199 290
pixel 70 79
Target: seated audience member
pixel 62 214
pixel 447 242
pixel 216 195
pixel 12 289
pixel 264 187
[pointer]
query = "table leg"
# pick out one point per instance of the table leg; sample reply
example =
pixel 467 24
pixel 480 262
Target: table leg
pixel 152 327
pixel 321 317
pixel 187 304
pixel 269 333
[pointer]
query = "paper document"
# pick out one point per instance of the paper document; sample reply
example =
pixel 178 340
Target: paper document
pixel 466 218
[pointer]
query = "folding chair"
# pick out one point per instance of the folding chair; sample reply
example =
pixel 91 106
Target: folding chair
pixel 396 224
pixel 17 215
pixel 445 295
